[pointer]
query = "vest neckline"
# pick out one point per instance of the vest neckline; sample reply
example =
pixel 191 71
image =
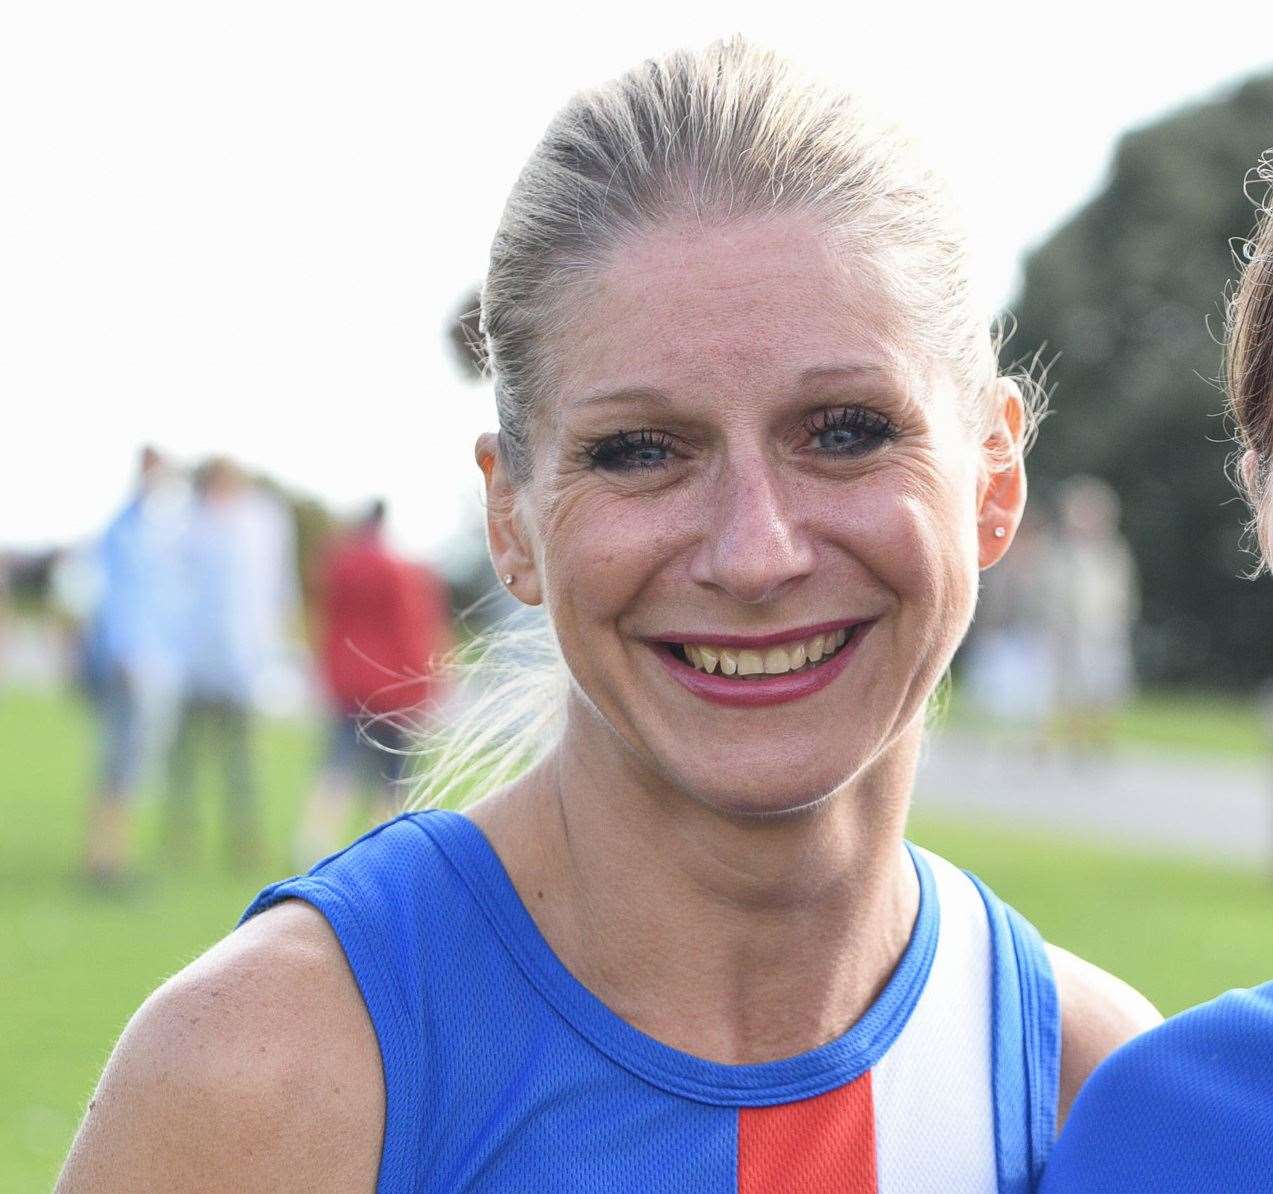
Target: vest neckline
pixel 785 1080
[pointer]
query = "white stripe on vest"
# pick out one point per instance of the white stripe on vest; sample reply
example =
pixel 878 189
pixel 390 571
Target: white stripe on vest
pixel 934 1100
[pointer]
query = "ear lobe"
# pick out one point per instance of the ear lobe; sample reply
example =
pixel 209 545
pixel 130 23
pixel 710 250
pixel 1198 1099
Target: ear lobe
pixel 1001 493
pixel 507 539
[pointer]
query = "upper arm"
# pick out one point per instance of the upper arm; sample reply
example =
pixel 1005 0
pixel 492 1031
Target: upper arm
pixel 255 1068
pixel 1098 1013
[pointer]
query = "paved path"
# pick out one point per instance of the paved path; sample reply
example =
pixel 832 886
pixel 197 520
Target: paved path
pixel 1216 809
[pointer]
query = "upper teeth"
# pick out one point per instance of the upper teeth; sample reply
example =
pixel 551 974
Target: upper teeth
pixel 772 661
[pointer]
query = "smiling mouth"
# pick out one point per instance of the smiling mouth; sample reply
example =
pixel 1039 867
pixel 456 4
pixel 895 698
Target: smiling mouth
pixel 785 658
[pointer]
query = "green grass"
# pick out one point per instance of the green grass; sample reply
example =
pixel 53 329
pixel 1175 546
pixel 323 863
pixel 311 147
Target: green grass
pixel 1203 724
pixel 1177 930
pixel 1183 723
pixel 75 965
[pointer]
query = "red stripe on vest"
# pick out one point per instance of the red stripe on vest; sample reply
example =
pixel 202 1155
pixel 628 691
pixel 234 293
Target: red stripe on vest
pixel 817 1146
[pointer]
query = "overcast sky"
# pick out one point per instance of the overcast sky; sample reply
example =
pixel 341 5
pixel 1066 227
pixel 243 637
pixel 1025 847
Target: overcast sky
pixel 240 227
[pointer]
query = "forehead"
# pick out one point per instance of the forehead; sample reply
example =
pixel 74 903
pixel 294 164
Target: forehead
pixel 743 305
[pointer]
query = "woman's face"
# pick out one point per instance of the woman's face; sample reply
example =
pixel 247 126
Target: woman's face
pixel 753 516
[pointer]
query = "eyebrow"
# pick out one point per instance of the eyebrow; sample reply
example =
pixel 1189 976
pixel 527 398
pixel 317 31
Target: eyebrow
pixel 635 394
pixel 817 373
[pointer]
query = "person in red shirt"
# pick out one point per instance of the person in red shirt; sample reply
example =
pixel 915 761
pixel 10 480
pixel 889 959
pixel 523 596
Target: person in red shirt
pixel 383 624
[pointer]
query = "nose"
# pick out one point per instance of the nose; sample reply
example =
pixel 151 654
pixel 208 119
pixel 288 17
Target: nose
pixel 754 544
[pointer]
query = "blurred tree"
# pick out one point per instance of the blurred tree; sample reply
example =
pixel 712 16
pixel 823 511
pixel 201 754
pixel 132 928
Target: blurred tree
pixel 1128 296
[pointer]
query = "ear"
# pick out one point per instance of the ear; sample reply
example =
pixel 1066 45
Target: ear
pixel 506 535
pixel 1001 488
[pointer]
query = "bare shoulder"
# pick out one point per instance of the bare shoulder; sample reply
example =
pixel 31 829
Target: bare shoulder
pixel 1098 1013
pixel 255 1068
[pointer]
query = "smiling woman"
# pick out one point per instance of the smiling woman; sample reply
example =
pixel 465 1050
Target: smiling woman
pixel 753 450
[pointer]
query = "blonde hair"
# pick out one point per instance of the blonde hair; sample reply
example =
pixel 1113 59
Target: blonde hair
pixel 1248 364
pixel 729 132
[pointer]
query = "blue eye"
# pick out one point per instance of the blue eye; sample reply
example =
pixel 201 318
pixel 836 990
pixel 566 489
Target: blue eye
pixel 849 431
pixel 631 450
pixel 838 439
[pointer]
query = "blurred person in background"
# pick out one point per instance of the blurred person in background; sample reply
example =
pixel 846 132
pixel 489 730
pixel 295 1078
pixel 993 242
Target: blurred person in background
pixel 1188 1106
pixel 131 653
pixel 239 576
pixel 382 625
pixel 1010 670
pixel 1092 606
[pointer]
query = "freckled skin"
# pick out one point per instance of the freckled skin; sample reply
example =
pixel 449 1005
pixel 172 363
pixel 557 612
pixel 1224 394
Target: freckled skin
pixel 750 530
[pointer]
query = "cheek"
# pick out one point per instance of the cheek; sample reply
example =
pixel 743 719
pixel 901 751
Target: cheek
pixel 601 550
pixel 918 537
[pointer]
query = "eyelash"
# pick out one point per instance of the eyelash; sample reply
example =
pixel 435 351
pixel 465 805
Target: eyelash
pixel 872 429
pixel 619 452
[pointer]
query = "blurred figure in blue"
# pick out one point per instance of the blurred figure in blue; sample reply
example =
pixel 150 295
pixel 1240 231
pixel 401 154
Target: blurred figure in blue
pixel 132 654
pixel 238 564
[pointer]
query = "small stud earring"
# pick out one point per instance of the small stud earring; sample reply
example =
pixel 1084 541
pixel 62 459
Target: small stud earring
pixel 1000 532
pixel 508 578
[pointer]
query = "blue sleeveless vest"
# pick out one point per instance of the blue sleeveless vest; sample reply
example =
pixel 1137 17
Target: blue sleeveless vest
pixel 503 1073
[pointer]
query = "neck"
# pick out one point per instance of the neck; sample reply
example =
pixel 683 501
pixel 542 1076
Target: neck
pixel 736 939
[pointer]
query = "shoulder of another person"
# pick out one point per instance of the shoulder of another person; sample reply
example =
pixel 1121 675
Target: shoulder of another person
pixel 1098 1014
pixel 255 1068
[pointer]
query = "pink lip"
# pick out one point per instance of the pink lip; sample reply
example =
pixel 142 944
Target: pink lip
pixel 755 641
pixel 769 690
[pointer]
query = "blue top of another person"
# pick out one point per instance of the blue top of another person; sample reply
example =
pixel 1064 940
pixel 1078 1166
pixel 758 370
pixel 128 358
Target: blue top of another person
pixel 140 618
pixel 1186 1107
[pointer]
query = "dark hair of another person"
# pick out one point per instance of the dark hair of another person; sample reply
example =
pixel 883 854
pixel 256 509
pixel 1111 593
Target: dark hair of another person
pixel 1249 362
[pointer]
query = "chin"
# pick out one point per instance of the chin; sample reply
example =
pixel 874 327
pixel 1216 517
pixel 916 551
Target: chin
pixel 755 795
pixel 771 808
